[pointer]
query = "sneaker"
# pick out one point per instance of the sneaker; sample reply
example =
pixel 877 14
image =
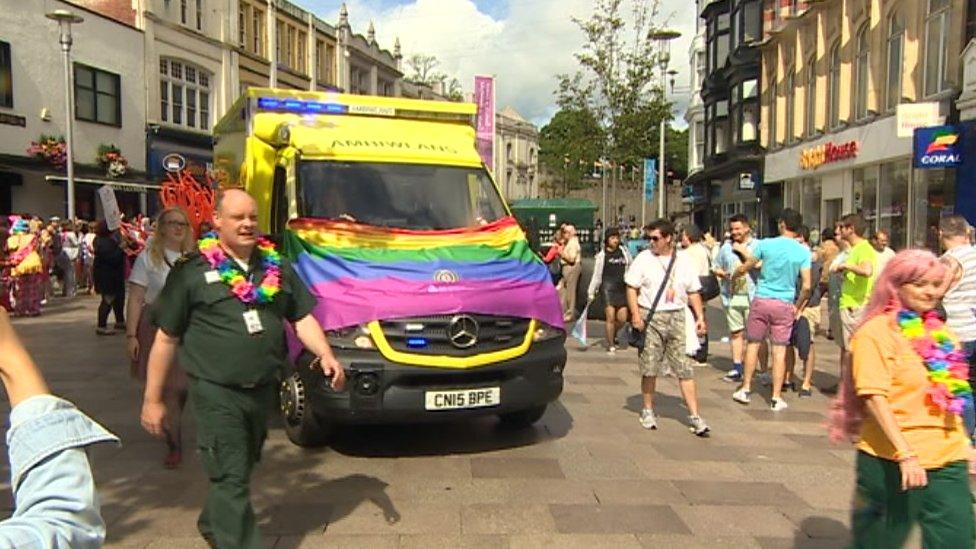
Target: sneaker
pixel 806 393
pixel 765 379
pixel 104 331
pixel 647 419
pixel 789 386
pixel 698 426
pixel 612 350
pixel 741 396
pixel 777 405
pixel 732 376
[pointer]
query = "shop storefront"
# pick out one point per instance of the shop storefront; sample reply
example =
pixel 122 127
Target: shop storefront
pixel 866 169
pixel 172 150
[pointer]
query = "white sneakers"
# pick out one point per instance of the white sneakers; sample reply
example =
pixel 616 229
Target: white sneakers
pixel 647 419
pixel 777 405
pixel 741 396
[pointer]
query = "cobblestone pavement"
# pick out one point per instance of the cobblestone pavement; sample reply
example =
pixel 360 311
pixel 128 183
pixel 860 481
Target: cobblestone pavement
pixel 586 476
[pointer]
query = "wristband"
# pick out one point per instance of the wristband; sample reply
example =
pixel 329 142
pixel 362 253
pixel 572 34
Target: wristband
pixel 906 455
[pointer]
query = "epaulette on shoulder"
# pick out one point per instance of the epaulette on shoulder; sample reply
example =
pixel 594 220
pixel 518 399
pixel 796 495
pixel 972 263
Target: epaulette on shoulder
pixel 186 258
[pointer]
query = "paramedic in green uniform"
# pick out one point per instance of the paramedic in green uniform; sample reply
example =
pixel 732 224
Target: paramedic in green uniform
pixel 232 348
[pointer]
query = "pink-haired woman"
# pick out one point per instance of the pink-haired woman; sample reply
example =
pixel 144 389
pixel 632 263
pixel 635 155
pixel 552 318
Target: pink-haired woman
pixel 910 380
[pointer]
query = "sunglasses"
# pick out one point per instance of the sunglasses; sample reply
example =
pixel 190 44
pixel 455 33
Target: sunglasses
pixel 654 238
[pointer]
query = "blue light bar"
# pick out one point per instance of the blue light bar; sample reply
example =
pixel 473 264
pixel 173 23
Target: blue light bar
pixel 416 342
pixel 298 106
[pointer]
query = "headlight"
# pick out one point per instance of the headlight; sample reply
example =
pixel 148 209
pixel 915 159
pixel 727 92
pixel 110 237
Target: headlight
pixel 546 332
pixel 351 337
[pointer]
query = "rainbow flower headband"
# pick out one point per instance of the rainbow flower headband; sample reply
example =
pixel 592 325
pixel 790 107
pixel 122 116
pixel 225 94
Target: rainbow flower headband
pixel 231 275
pixel 948 369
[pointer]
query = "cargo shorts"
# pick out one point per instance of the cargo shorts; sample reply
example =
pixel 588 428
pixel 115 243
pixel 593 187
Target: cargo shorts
pixel 664 346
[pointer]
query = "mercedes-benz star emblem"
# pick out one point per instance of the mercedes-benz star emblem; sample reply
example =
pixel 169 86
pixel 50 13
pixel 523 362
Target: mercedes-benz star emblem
pixel 462 330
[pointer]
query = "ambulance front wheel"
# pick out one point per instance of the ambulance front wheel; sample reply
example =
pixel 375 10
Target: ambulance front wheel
pixel 301 424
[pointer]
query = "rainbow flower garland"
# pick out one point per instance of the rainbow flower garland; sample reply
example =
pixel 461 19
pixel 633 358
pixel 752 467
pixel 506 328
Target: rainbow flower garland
pixel 231 275
pixel 948 369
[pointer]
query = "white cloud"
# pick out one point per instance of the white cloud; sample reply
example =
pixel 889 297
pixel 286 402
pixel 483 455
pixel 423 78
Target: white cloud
pixel 525 50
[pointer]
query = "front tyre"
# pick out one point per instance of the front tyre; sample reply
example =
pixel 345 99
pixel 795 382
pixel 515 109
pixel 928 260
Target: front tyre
pixel 522 418
pixel 301 425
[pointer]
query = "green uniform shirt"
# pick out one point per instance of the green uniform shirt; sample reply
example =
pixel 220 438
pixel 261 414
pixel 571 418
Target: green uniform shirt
pixel 209 320
pixel 856 289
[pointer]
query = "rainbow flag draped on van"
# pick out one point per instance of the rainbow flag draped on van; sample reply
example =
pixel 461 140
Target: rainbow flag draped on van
pixel 361 273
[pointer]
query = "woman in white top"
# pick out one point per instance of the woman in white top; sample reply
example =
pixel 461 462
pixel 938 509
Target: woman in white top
pixel 172 239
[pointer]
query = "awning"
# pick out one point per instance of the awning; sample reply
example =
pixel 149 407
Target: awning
pixel 128 186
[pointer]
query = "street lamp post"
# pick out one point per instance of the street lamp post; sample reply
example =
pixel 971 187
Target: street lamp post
pixel 663 38
pixel 65 19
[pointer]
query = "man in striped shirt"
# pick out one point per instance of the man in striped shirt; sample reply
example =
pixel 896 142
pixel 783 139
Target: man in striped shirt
pixel 960 297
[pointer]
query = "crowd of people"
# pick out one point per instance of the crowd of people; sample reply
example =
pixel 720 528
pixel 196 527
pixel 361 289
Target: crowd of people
pixel 42 259
pixel 904 324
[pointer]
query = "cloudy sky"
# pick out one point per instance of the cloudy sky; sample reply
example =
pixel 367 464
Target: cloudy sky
pixel 525 43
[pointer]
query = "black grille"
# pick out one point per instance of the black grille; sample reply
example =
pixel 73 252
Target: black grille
pixel 495 333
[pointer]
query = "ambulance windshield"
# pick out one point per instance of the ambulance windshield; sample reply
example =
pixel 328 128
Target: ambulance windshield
pixel 405 196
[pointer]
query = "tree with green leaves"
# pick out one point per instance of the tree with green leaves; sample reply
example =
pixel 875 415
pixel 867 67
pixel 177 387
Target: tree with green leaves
pixel 569 146
pixel 618 81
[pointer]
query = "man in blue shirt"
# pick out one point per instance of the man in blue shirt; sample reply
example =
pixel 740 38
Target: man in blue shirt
pixel 736 295
pixel 55 502
pixel 777 302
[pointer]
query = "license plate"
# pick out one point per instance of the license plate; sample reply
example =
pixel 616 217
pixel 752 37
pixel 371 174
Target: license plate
pixel 463 399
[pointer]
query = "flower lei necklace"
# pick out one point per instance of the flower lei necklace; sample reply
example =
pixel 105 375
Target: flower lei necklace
pixel 947 366
pixel 231 275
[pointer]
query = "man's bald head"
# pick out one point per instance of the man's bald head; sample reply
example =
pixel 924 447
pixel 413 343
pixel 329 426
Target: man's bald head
pixel 236 220
pixel 232 194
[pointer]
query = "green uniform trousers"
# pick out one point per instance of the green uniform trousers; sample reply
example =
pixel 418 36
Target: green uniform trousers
pixel 884 515
pixel 231 427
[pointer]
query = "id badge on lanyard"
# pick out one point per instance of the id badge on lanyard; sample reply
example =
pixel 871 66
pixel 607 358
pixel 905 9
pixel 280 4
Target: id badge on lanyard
pixel 253 322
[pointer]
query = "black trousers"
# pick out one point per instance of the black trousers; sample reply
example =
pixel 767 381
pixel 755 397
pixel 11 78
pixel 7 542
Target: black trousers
pixel 112 303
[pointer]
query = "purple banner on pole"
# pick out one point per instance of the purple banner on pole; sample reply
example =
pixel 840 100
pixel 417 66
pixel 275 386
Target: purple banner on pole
pixel 484 96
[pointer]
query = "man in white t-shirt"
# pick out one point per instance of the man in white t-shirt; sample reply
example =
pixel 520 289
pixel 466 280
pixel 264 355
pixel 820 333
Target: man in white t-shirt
pixel 664 339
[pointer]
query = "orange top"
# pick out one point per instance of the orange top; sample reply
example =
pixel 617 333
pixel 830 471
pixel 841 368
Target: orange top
pixel 886 364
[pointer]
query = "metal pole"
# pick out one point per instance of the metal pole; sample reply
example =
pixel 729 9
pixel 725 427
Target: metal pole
pixel 603 176
pixel 643 197
pixel 70 109
pixel 662 172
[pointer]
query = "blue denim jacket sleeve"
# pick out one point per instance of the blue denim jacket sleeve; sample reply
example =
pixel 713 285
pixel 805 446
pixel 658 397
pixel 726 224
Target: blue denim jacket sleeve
pixel 56 504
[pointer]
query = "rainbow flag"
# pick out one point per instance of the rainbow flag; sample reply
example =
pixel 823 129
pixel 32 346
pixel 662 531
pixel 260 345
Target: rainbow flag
pixel 360 273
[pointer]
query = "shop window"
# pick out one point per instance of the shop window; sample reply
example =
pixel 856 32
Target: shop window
pixel 936 46
pixel 810 194
pixel 184 94
pixel 6 77
pixel 862 70
pixel 934 197
pixel 866 195
pixel 833 83
pixel 810 109
pixel 893 202
pixel 97 96
pixel 896 47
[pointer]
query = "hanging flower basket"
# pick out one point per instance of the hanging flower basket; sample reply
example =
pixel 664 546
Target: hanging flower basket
pixel 110 158
pixel 50 149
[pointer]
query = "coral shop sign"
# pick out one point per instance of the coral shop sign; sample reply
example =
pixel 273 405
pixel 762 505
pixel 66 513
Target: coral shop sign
pixel 814 157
